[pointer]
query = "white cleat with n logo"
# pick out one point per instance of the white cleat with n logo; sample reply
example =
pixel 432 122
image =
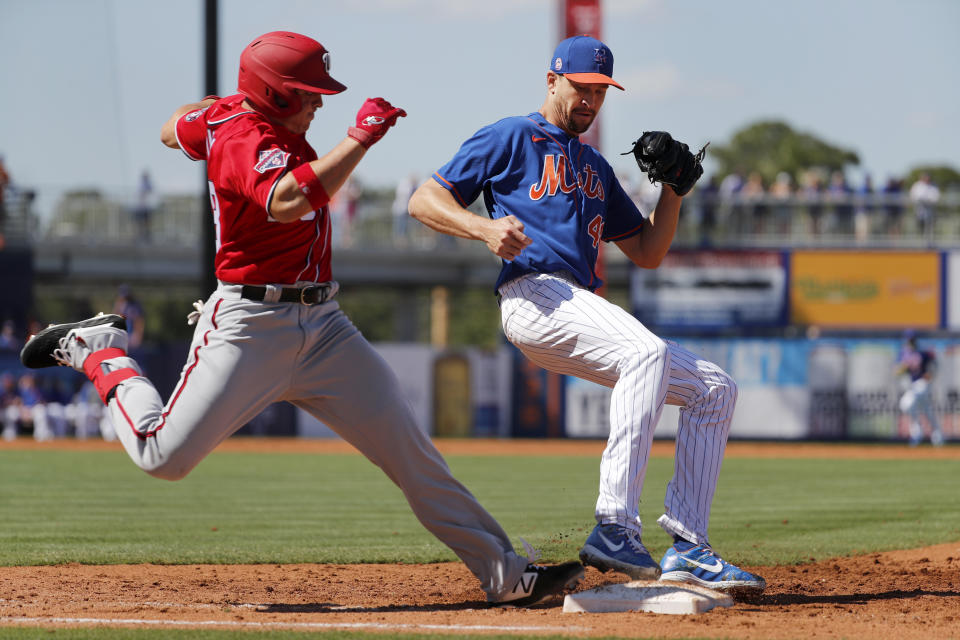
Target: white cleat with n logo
pixel 538 583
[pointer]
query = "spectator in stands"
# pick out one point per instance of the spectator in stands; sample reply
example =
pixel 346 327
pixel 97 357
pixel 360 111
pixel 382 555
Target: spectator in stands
pixel 33 408
pixel 841 195
pixel 892 205
pixel 126 305
pixel 401 197
pixel 35 326
pixel 812 194
pixel 917 401
pixel 143 211
pixel 781 191
pixel 8 337
pixel 343 208
pixel 9 405
pixel 924 195
pixel 88 415
pixel 863 209
pixel 57 398
pixel 4 183
pixel 730 187
pixel 708 197
pixel 731 184
pixel 752 196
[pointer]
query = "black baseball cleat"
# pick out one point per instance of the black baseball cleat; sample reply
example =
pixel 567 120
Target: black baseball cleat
pixel 38 352
pixel 539 583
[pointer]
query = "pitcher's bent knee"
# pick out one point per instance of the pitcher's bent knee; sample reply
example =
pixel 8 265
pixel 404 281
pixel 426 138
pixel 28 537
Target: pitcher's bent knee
pixel 645 355
pixel 728 387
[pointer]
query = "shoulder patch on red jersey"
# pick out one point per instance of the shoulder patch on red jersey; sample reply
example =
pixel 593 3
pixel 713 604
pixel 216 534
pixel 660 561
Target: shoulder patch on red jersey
pixel 193 115
pixel 271 159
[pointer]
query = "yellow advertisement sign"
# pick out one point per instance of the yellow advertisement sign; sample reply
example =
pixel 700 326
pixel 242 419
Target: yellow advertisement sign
pixel 875 289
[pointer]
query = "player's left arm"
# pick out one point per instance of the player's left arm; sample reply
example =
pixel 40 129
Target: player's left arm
pixel 168 133
pixel 647 248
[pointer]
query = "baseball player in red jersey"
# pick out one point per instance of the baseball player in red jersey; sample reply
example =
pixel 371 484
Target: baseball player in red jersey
pixel 551 200
pixel 272 330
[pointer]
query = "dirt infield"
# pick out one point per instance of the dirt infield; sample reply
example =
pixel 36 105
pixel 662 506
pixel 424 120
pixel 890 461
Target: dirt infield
pixel 905 594
pixel 902 594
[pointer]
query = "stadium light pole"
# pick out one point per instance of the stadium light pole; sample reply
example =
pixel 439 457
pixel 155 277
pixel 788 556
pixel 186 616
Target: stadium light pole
pixel 208 278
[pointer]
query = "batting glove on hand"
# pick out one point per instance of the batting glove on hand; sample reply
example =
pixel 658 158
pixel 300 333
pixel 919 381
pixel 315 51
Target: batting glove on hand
pixel 374 118
pixel 666 160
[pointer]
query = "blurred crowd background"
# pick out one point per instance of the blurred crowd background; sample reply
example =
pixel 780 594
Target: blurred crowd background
pixel 140 254
pixel 769 188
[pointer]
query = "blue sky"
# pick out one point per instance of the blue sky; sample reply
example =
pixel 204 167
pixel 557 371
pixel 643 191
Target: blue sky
pixel 86 84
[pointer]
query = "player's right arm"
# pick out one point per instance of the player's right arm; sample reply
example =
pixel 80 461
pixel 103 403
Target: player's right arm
pixel 332 170
pixel 323 177
pixel 435 206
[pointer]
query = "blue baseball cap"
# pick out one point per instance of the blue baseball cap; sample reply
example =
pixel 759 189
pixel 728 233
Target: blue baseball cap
pixel 584 59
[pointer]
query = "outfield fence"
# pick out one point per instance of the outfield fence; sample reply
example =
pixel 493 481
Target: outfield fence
pixel 795 389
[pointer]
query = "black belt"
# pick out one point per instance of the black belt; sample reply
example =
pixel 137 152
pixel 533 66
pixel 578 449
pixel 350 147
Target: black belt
pixel 312 294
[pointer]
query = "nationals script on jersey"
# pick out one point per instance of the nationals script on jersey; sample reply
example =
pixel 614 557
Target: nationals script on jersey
pixel 246 156
pixel 563 191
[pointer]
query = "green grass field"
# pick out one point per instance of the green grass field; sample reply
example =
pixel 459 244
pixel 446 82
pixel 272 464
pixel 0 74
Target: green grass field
pixel 96 507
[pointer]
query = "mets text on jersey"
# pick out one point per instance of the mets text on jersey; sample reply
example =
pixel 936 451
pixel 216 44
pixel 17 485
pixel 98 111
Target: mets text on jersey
pixel 555 176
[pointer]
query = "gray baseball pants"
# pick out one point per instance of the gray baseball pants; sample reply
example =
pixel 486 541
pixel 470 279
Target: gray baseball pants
pixel 246 355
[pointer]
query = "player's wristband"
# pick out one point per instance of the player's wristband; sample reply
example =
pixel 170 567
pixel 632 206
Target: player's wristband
pixel 362 136
pixel 310 186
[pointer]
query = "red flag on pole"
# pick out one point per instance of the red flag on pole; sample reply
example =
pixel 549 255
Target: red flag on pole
pixel 585 17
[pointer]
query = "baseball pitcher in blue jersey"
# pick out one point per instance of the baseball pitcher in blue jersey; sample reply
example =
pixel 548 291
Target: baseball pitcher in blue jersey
pixel 550 201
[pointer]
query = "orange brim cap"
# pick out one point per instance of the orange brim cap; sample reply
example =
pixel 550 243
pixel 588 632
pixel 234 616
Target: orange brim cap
pixel 593 78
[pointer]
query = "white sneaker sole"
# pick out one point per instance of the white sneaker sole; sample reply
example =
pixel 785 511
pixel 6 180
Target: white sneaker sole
pixel 717 585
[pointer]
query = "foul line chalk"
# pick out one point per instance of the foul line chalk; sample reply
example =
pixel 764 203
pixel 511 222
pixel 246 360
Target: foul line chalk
pixel 277 625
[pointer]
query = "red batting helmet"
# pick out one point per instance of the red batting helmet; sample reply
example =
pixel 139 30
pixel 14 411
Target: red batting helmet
pixel 276 63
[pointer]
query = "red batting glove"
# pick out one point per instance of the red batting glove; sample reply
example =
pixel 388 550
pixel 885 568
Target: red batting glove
pixel 374 118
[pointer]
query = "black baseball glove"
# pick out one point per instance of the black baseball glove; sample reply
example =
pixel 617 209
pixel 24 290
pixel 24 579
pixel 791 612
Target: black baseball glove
pixel 666 160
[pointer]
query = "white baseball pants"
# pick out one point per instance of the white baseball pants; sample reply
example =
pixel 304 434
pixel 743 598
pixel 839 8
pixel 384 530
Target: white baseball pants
pixel 569 330
pixel 917 402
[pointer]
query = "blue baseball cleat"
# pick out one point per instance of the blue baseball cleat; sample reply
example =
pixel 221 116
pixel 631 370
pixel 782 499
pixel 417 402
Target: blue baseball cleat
pixel 611 547
pixel 699 564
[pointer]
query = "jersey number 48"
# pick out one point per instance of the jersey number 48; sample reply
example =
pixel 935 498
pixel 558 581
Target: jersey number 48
pixel 595 229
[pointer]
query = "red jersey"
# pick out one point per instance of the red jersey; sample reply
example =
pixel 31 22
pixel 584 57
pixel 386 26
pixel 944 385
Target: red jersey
pixel 246 156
